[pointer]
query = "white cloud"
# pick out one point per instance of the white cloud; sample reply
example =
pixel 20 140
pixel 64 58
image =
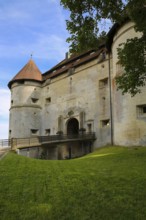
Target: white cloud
pixel 5 74
pixel 44 47
pixel 5 102
pixel 28 26
pixel 48 47
pixel 42 33
pixel 4 112
pixel 4 127
pixel 28 13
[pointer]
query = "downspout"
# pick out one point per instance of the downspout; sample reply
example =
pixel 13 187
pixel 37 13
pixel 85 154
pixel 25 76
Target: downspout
pixel 110 103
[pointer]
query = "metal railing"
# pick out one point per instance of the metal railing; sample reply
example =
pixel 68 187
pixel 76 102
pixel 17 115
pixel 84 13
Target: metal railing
pixel 67 137
pixel 15 143
pixel 5 143
pixel 59 138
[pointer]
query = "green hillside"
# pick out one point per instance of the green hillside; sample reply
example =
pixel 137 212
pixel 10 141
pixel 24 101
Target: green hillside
pixel 107 184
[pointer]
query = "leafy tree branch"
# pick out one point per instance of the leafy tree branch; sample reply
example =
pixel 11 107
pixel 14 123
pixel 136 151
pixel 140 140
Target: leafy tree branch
pixel 84 29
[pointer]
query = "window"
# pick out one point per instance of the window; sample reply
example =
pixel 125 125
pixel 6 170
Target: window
pixel 34 100
pixel 89 127
pixel 48 100
pixel 10 131
pixel 34 131
pixel 48 131
pixel 141 110
pixel 11 102
pixel 105 123
pixel 71 71
pixel 102 57
pixel 103 83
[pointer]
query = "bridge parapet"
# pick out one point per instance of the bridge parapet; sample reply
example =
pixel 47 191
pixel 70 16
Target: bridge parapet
pixel 18 143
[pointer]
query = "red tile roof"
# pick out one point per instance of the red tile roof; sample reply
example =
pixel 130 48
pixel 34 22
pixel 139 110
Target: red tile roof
pixel 29 72
pixel 72 62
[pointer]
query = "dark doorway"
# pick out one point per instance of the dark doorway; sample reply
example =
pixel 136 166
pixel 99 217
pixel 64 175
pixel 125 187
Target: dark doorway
pixel 72 129
pixel 73 126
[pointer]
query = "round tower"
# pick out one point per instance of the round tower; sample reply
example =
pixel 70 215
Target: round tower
pixel 128 112
pixel 25 110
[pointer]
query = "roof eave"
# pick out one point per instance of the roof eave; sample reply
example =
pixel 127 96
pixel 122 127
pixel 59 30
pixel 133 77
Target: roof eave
pixel 22 80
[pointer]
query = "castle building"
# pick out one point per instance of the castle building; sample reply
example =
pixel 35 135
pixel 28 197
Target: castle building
pixel 75 106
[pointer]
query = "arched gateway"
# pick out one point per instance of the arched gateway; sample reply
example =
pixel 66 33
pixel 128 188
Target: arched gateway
pixel 72 129
pixel 73 126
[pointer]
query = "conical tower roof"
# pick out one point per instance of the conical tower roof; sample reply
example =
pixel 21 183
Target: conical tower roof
pixel 29 72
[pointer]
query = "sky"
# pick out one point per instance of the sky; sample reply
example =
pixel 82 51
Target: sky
pixel 28 27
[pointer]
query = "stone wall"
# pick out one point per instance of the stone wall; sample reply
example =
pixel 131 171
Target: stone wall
pixel 82 95
pixel 129 116
pixel 85 91
pixel 25 110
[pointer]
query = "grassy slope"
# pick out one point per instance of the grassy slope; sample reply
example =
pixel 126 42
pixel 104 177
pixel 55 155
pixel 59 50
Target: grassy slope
pixel 108 184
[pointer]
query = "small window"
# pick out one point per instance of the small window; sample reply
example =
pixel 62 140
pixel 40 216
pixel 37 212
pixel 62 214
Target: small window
pixel 48 131
pixel 103 83
pixel 48 100
pixel 102 57
pixel 34 131
pixel 71 71
pixel 11 102
pixel 34 100
pixel 141 110
pixel 89 127
pixel 10 131
pixel 105 123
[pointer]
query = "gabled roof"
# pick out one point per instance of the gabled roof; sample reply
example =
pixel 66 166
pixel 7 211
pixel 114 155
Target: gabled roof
pixel 72 62
pixel 29 72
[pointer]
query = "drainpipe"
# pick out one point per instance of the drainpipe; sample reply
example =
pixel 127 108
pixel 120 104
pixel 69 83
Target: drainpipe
pixel 111 107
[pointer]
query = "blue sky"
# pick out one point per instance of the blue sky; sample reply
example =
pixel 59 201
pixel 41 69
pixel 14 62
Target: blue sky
pixel 28 27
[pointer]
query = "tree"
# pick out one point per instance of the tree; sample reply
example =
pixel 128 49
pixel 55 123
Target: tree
pixel 85 19
pixel 132 54
pixel 133 59
pixel 84 27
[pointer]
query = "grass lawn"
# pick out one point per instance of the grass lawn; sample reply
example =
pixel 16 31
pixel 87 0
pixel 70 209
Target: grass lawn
pixel 107 184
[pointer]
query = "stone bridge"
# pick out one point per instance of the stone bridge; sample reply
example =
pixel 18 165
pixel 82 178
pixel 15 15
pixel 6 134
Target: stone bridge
pixel 19 143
